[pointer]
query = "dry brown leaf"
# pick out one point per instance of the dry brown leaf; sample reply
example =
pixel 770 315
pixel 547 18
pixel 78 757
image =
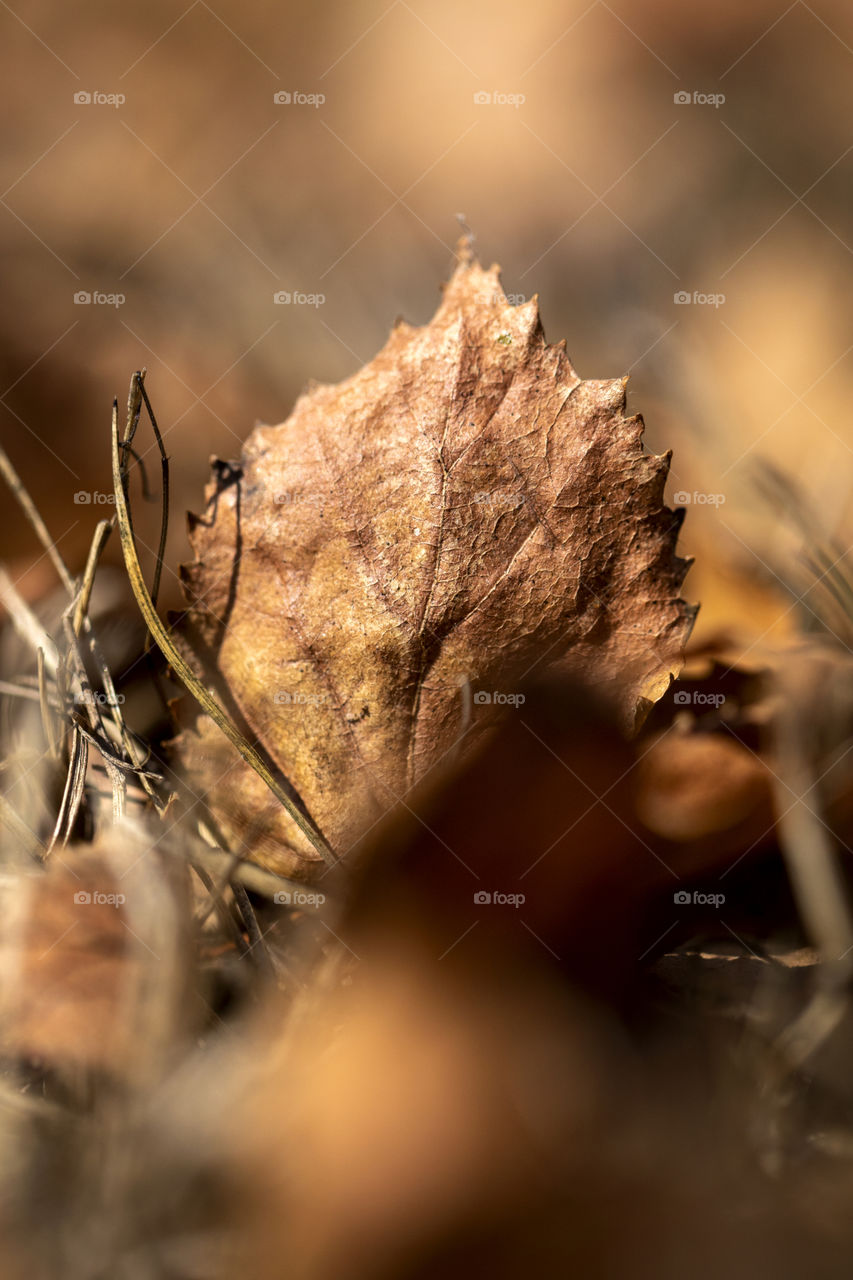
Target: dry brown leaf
pixel 463 509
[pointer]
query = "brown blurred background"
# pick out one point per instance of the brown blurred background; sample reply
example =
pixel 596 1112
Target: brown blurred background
pixel 198 197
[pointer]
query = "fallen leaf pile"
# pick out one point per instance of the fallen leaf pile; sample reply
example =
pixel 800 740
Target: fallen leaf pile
pixel 376 576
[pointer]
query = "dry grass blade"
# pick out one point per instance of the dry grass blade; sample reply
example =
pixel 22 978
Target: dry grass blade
pixel 81 621
pixel 179 666
pixel 72 796
pixel 99 540
pixel 14 482
pixel 109 755
pixel 137 396
pixel 22 691
pixel 92 709
pixel 76 621
pixel 164 519
pixel 821 583
pixel 811 740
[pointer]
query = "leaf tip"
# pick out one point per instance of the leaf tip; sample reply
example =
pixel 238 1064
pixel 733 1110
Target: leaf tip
pixel 465 255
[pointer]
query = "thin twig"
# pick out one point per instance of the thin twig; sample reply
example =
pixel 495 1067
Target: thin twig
pixel 29 507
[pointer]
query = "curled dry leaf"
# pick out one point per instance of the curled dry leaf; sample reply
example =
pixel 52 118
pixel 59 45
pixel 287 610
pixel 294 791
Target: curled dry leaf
pixel 378 574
